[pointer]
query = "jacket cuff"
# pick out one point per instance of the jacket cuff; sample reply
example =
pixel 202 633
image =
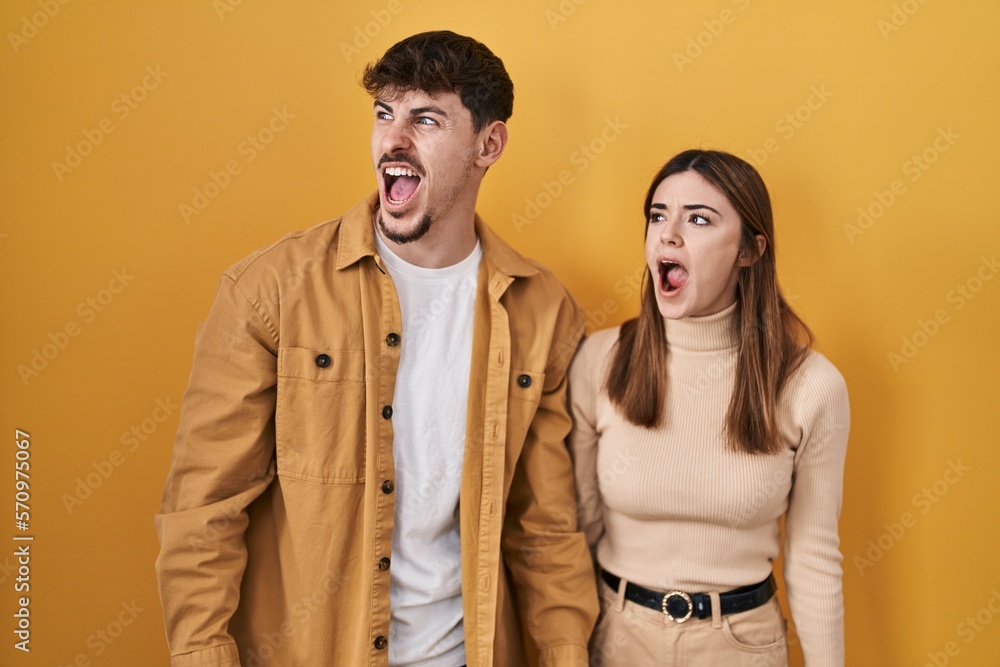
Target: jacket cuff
pixel 566 655
pixel 225 655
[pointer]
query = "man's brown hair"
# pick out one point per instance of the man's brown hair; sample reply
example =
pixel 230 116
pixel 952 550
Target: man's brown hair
pixel 444 62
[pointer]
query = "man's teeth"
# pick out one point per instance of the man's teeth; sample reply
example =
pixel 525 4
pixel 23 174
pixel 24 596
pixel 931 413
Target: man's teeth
pixel 400 171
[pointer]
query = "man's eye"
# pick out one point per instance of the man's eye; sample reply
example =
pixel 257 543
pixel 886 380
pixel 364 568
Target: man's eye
pixel 382 115
pixel 424 120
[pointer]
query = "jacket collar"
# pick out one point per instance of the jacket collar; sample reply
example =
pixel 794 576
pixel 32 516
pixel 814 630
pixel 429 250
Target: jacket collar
pixel 357 240
pixel 357 235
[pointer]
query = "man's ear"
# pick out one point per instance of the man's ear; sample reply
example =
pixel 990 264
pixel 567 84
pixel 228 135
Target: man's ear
pixel 744 258
pixel 492 140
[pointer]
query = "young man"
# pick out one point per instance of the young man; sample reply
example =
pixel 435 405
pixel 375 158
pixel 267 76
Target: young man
pixel 370 467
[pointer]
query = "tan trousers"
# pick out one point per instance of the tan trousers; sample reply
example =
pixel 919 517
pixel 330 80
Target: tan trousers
pixel 630 635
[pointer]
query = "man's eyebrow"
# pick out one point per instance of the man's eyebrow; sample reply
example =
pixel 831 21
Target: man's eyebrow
pixel 431 109
pixel 380 103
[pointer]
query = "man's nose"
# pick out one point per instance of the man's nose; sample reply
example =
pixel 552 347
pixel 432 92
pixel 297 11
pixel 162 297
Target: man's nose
pixel 395 138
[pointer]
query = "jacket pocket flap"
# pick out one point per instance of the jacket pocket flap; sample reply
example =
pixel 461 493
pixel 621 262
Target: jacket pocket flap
pixel 321 365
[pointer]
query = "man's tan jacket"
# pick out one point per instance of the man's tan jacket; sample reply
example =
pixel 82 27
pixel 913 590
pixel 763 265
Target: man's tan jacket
pixel 277 517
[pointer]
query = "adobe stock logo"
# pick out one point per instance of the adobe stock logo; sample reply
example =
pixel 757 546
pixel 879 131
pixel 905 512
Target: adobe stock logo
pixel 248 149
pixel 581 159
pixel 223 7
pixel 899 16
pixel 924 501
pixel 959 296
pixel 968 629
pixel 914 168
pixel 101 639
pixel 698 43
pixel 562 12
pixel 364 34
pixel 102 469
pixel 790 123
pixel 88 310
pixel 31 25
pixel 626 288
pixel 122 106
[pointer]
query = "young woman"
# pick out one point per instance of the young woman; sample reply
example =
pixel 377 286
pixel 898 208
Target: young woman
pixel 698 425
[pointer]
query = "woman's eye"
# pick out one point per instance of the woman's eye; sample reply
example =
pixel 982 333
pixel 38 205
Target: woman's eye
pixel 699 219
pixel 656 217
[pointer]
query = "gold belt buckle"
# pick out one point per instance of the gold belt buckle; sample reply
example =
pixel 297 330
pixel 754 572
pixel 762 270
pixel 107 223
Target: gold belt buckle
pixel 682 595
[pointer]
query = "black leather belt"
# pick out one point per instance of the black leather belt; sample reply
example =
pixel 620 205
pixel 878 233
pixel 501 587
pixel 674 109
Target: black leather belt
pixel 682 606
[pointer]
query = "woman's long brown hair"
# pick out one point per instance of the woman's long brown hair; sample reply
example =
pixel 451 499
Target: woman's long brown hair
pixel 773 341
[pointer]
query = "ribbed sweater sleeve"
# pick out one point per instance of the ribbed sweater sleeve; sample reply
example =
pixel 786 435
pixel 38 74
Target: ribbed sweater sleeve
pixel 812 568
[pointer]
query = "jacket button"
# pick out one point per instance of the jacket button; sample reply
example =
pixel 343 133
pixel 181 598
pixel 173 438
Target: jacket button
pixel 392 340
pixel 323 360
pixel 388 486
pixel 381 642
pixel 383 564
pixel 524 381
pixel 387 412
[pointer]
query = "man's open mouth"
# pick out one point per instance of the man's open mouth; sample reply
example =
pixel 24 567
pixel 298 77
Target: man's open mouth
pixel 673 276
pixel 400 184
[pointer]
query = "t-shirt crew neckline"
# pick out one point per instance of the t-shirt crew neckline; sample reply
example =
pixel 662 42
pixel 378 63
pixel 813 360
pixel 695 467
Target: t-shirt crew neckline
pixel 397 264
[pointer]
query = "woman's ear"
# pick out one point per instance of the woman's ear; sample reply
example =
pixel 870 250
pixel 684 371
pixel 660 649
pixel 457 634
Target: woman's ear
pixel 492 140
pixel 744 258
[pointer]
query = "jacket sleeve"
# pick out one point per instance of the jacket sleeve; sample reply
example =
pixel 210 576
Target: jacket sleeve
pixel 547 556
pixel 812 567
pixel 222 461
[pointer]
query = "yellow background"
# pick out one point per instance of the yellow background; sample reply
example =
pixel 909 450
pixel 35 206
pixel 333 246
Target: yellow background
pixel 885 81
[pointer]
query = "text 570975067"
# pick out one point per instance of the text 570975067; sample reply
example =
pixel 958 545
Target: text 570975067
pixel 22 521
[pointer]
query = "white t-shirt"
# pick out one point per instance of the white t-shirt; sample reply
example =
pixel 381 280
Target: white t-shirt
pixel 428 420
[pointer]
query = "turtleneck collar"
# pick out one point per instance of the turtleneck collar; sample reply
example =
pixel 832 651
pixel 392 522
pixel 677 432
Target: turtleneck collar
pixel 704 334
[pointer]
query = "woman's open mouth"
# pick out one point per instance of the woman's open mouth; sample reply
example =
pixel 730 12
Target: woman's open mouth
pixel 673 276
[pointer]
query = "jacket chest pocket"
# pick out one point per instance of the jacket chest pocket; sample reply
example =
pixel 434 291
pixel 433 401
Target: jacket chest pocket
pixel 320 415
pixel 524 394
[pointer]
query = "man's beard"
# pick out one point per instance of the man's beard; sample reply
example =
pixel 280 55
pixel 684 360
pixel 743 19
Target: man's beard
pixel 401 238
